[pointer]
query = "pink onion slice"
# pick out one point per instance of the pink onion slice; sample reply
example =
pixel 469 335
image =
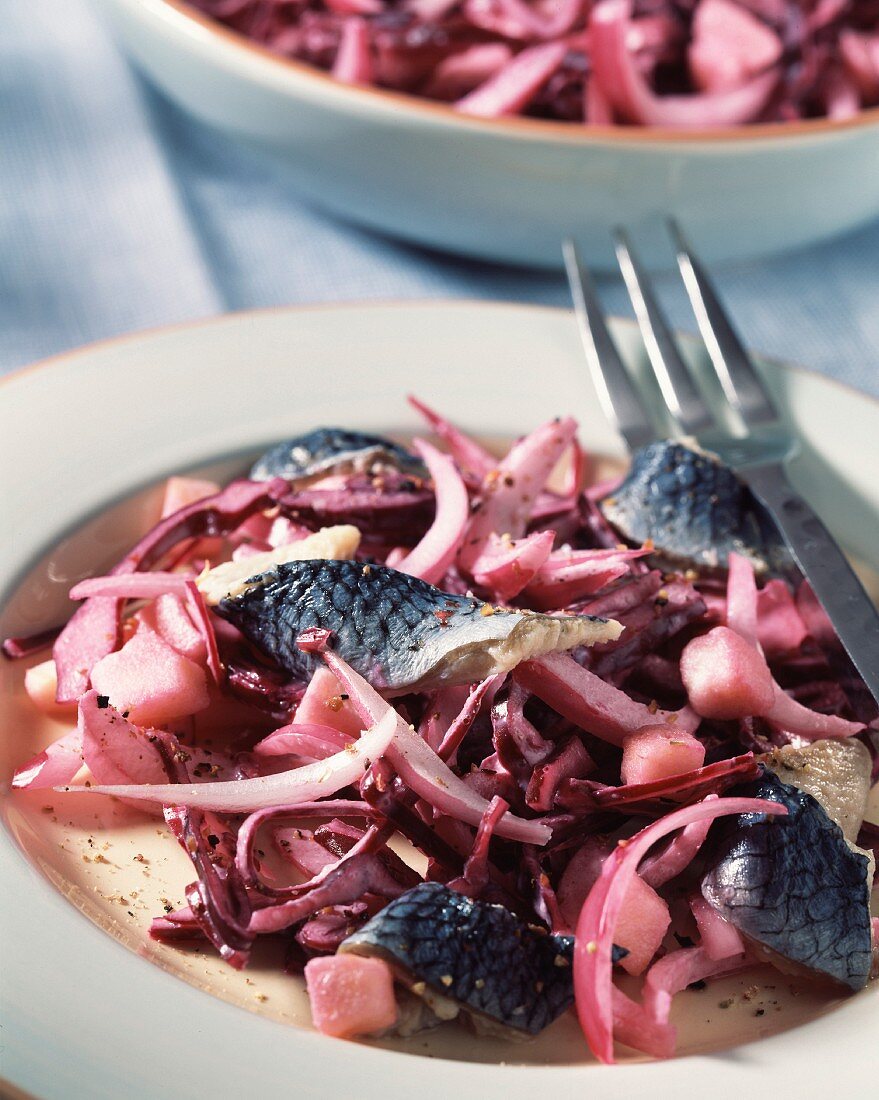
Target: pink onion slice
pixel 56 764
pixel 510 490
pixel 741 598
pixel 591 703
pixel 720 939
pixel 433 555
pixel 662 867
pixel 131 586
pixel 353 64
pixel 422 770
pixel 593 979
pixel 506 567
pixel 679 969
pixel 469 454
pixel 316 780
pixel 515 85
pixel 303 739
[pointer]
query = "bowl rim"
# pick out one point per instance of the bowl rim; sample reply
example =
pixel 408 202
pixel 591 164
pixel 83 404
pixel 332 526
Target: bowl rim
pixel 191 21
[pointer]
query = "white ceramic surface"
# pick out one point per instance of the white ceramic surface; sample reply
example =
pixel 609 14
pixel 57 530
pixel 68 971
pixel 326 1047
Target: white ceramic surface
pixel 84 1018
pixel 507 190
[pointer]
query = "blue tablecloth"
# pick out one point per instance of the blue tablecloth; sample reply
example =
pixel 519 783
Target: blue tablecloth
pixel 117 212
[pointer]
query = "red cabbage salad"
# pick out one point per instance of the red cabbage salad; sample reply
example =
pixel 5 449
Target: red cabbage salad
pixel 613 757
pixel 682 64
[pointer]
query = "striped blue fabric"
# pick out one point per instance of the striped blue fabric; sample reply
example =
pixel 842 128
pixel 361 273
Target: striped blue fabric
pixel 117 212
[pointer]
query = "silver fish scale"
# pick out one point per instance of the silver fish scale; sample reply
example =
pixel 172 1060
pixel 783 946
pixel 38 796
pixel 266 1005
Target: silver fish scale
pixel 476 953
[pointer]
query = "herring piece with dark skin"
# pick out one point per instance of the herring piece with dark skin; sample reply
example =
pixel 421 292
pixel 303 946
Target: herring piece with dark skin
pixel 694 508
pixel 326 451
pixel 492 965
pixel 794 887
pixel 397 631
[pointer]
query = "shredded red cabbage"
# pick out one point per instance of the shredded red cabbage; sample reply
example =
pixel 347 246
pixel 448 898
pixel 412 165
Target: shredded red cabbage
pixel 693 65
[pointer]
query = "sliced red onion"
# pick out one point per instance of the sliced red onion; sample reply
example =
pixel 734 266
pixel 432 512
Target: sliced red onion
pixel 431 558
pixel 741 598
pixel 506 566
pixel 462 72
pixel 355 7
pixel 422 770
pixel 510 490
pixel 662 867
pixel 469 454
pixel 317 780
pixel 515 85
pixel 56 764
pixel 116 750
pixel 590 703
pixel 519 20
pixel 303 739
pixel 792 717
pixel 593 979
pixel 131 586
pixel 460 726
pixel 203 623
pixel 353 64
pixel 570 575
pixel 679 969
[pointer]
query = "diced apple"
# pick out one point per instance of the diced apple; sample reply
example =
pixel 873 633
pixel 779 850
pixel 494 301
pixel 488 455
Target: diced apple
pixel 350 995
pixel 642 925
pixel 175 625
pixel 730 45
pixel 657 752
pixel 151 681
pixel 41 684
pixel 180 491
pixel 725 676
pixel 323 705
pixel 644 917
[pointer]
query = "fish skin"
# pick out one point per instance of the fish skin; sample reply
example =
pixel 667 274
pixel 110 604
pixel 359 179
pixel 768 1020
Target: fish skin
pixel 500 968
pixel 397 631
pixel 694 508
pixel 793 885
pixel 328 450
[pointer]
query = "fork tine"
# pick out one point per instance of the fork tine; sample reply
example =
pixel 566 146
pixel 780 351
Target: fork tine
pixel 619 399
pixel 682 399
pixel 740 382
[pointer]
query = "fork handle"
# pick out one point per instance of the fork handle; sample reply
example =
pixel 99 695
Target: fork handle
pixel 833 580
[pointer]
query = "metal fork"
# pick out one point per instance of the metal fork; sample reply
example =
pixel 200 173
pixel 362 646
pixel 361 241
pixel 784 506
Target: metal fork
pixel 758 451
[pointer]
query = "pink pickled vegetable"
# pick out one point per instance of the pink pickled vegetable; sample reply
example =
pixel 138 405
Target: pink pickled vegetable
pixel 303 739
pixel 675 972
pixel 353 64
pixel 131 586
pixel 469 454
pixel 660 867
pixel 506 566
pixel 619 78
pixel 431 558
pixel 725 676
pixel 169 618
pixel 114 749
pixel 780 629
pixel 151 681
pixel 657 752
pixel 512 87
pixel 350 995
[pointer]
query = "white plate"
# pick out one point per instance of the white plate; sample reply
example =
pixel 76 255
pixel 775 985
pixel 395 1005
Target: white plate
pixel 82 1016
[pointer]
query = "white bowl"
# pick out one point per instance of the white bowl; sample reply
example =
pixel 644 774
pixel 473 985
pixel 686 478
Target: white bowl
pixel 510 189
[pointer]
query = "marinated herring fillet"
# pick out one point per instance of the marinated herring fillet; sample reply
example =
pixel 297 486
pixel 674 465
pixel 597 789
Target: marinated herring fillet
pixel 495 967
pixel 399 632
pixel 793 886
pixel 327 451
pixel 693 507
